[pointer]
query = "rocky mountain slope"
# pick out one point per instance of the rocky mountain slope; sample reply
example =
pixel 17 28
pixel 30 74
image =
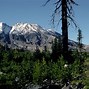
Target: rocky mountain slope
pixel 28 36
pixel 4 33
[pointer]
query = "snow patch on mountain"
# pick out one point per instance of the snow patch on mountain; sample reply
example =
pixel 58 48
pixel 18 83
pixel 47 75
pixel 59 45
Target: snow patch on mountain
pixel 29 36
pixel 4 28
pixel 23 28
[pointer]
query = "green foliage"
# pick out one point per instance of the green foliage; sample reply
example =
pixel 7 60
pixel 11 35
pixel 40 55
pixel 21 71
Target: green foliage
pixel 36 72
pixel 79 38
pixel 44 70
pixel 20 68
pixel 56 49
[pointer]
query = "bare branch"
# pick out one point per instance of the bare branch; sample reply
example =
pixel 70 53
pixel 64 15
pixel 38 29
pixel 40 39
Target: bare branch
pixel 53 18
pixel 59 11
pixel 72 1
pixel 46 2
pixel 59 22
pixel 57 8
pixel 69 6
pixel 57 2
pixel 73 21
pixel 70 11
pixel 56 11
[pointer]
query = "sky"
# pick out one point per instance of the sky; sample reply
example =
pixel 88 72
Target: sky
pixel 32 11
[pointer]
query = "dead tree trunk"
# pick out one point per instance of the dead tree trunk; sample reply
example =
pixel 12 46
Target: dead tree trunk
pixel 64 30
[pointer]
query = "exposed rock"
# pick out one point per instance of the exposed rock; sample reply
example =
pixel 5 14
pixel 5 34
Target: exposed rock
pixel 29 37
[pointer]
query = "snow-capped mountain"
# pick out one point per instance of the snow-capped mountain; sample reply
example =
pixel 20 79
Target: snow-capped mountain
pixel 31 36
pixel 4 32
pixel 4 28
pixel 28 36
pixel 23 28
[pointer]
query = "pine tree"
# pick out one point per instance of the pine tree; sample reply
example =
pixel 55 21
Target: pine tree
pixel 56 49
pixel 79 38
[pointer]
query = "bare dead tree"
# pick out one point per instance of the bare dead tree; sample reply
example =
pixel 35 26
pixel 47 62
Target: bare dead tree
pixel 65 8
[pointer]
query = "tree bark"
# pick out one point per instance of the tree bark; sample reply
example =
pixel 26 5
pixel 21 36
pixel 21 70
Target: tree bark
pixel 64 29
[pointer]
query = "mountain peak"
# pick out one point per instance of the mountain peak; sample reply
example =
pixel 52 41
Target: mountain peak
pixel 24 28
pixel 27 36
pixel 4 28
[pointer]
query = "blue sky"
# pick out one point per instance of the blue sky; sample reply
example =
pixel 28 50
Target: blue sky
pixel 32 11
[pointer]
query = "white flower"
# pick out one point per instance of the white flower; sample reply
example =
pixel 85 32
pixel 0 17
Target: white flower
pixel 65 65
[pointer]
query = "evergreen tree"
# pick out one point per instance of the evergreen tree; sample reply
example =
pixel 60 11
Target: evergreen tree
pixel 56 49
pixel 59 48
pixel 79 38
pixel 37 54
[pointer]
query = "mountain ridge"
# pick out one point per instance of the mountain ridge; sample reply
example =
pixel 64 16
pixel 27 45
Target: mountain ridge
pixel 28 36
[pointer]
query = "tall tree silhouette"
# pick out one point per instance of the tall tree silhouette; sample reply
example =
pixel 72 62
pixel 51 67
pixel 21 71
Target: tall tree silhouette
pixel 65 8
pixel 79 38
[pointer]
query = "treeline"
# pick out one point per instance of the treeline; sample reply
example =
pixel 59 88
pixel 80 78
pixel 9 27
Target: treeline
pixel 20 68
